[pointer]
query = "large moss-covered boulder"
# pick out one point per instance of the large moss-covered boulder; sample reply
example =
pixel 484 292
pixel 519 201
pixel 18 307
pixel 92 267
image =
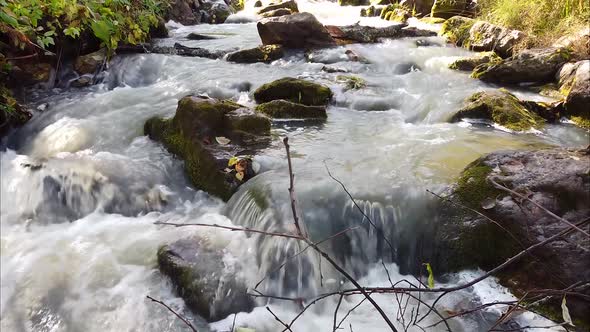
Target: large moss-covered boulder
pixel 469 63
pixel 534 65
pixel 201 277
pixel 283 109
pixel 191 135
pixel 298 31
pixel 266 53
pixel 456 29
pixel 558 180
pixel 500 107
pixel 574 83
pixel 294 90
pixel 448 8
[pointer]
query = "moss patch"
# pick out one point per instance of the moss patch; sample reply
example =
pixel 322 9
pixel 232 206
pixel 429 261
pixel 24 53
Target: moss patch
pixel 472 186
pixel 266 53
pixel 470 63
pixel 456 30
pixel 282 109
pixel 352 82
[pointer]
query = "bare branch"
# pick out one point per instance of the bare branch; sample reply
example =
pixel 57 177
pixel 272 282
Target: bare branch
pixel 184 320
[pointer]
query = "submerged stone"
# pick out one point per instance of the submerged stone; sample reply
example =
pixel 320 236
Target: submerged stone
pixel 500 107
pixel 294 90
pixel 282 109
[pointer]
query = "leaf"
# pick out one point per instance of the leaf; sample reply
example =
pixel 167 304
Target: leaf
pixel 430 275
pixel 49 33
pixel 8 19
pixel 240 176
pixel 222 140
pixel 232 161
pixel 566 313
pixel 102 30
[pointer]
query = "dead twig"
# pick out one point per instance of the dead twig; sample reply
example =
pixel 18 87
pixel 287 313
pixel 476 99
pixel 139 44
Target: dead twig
pixel 184 320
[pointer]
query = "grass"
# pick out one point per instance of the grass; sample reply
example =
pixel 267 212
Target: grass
pixel 544 21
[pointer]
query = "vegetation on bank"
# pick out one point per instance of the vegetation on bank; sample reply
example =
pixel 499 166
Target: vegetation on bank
pixel 544 21
pixel 46 22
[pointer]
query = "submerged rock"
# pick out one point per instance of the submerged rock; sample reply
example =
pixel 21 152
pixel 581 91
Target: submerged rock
pixel 534 65
pixel 558 180
pixel 469 63
pixel 574 83
pixel 301 30
pixel 191 134
pixel 294 90
pixel 500 107
pixel 198 275
pixel 365 34
pixel 283 109
pixel 266 53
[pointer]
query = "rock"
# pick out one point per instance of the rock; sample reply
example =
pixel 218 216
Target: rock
pixel 499 107
pixel 159 30
pixel 199 275
pixel 533 65
pixel 258 4
pixel 294 90
pixel 90 63
pixel 191 133
pixel 277 13
pixel 456 30
pixel 420 7
pixel 484 36
pixel 433 20
pixel 184 12
pixel 331 70
pixel 372 11
pixel 177 49
pixel 579 41
pixel 469 63
pixel 365 34
pixel 215 11
pixel 266 53
pixel 12 114
pixel 353 2
pixel 190 12
pixel 577 91
pixel 198 36
pixel 449 8
pixel 301 30
pixel 406 68
pixel 32 73
pixel 558 180
pixel 351 82
pixel 290 5
pixel 398 14
pixel 283 109
pixel 82 81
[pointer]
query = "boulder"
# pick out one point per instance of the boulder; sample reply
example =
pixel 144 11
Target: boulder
pixel 258 4
pixel 184 12
pixel 371 11
pixel 159 30
pixel 294 90
pixel 291 5
pixel 365 34
pixel 277 13
pixel 558 180
pixel 90 63
pixel 533 65
pixel 283 109
pixel 353 2
pixel 200 276
pixel 579 41
pixel 500 107
pixel 301 30
pixel 395 14
pixel 420 7
pixel 484 36
pixel 469 63
pixel 198 36
pixel 266 53
pixel 576 88
pixel 456 30
pixel 189 12
pixel 449 8
pixel 191 135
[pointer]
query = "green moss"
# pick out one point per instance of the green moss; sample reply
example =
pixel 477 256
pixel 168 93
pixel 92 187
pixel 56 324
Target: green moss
pixel 456 30
pixel 581 121
pixel 433 20
pixel 470 63
pixel 251 124
pixel 473 188
pixel 282 109
pixel 448 8
pixel 294 90
pixel 352 82
pixel 265 53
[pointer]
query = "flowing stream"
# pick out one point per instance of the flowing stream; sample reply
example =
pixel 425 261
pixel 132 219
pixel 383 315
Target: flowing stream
pixel 82 187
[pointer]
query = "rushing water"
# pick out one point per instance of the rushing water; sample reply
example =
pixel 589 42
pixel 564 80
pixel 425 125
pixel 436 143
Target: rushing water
pixel 81 187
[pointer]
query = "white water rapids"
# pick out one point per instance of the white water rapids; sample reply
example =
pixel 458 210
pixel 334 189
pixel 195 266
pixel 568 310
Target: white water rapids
pixel 82 187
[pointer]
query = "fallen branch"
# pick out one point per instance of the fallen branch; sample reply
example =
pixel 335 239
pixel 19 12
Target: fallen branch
pixel 184 320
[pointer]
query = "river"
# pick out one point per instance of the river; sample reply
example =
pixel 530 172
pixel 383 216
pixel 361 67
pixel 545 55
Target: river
pixel 82 187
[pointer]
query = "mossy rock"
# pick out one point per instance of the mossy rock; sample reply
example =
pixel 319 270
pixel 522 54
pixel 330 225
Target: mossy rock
pixel 282 109
pixel 191 133
pixel 294 90
pixel 266 53
pixel 456 30
pixel 290 5
pixel 351 82
pixel 12 114
pixel 469 63
pixel 577 102
pixel 433 20
pixel 500 107
pixel 353 2
pixel 448 8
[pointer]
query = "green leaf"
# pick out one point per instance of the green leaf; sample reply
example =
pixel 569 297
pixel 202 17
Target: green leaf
pixel 565 313
pixel 49 33
pixel 430 275
pixel 8 19
pixel 102 30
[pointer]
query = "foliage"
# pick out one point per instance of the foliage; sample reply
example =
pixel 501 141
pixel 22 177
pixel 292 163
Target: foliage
pixel 112 21
pixel 542 20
